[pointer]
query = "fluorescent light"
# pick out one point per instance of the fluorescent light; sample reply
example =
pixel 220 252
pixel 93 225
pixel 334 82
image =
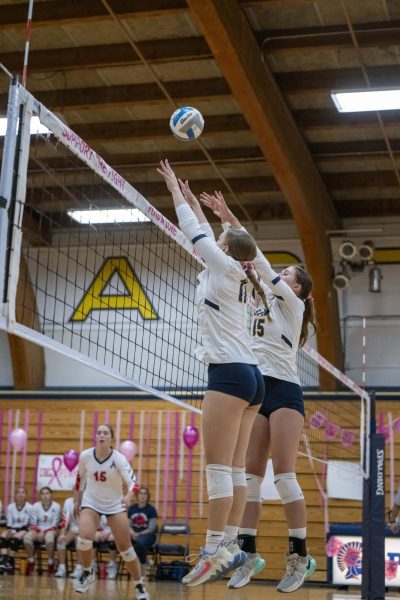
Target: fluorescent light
pixel 108 215
pixel 36 126
pixel 366 100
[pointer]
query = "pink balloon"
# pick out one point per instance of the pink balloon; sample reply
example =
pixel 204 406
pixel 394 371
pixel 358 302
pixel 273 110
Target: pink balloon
pixel 128 449
pixel 190 436
pixel 71 459
pixel 18 439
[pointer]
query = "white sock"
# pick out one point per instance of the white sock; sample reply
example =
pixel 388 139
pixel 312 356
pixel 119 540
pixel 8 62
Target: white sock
pixel 247 531
pixel 300 533
pixel 50 561
pixel 230 533
pixel 213 540
pixel 139 582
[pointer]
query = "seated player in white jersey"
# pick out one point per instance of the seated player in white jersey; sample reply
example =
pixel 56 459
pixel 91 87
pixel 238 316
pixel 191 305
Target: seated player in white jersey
pixel 393 514
pixel 278 426
pixel 69 529
pixel 235 385
pixel 45 520
pixel 18 516
pixel 98 491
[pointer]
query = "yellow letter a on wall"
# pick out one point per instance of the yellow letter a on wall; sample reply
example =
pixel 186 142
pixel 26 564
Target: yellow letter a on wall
pixel 134 298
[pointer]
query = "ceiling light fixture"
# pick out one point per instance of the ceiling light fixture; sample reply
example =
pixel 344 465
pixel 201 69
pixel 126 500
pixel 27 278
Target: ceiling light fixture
pixel 108 215
pixel 366 100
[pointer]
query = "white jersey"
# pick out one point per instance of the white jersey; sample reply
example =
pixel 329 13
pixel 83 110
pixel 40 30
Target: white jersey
pixel 101 481
pixel 275 343
pixel 221 298
pixel 18 518
pixel 68 521
pixel 43 518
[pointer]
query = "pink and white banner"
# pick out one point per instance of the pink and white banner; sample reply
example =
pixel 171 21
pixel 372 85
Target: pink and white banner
pixel 53 473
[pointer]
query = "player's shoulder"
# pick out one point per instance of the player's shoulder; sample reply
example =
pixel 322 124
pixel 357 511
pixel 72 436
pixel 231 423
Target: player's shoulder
pixel 119 457
pixel 11 506
pixel 28 506
pixel 86 454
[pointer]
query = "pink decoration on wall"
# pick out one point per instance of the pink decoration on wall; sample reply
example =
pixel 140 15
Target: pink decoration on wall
pixel 131 424
pixel 391 567
pixel 396 425
pixel 38 447
pixel 175 466
pixel 8 459
pixel 71 459
pixel 317 420
pixel 25 448
pixel 348 437
pixel 331 431
pixel 332 546
pixel 106 416
pixel 190 440
pixel 18 439
pixel 95 426
pixel 128 449
pixel 190 436
pixel 166 465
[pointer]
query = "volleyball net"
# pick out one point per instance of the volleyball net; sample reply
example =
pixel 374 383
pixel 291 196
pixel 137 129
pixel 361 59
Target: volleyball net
pixel 120 296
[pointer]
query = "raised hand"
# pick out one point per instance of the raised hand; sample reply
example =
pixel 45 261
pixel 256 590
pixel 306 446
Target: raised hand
pixel 188 194
pixel 170 178
pixel 219 207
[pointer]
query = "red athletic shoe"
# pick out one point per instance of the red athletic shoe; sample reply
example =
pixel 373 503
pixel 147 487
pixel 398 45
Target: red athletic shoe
pixel 30 568
pixel 50 570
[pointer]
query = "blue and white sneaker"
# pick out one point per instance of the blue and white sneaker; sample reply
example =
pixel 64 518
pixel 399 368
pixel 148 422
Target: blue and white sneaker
pixel 254 564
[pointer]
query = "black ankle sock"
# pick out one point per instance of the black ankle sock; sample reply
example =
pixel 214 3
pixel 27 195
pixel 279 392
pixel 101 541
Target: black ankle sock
pixel 298 546
pixel 247 543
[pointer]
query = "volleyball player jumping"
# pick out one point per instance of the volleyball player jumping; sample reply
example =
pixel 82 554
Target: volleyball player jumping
pixel 235 385
pixel 278 426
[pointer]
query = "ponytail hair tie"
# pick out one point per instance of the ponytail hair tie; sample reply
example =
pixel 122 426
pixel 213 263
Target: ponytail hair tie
pixel 247 266
pixel 309 297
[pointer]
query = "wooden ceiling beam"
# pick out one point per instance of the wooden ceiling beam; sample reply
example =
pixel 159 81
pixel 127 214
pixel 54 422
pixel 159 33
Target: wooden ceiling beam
pixel 331 37
pixel 67 196
pixel 330 79
pixel 109 55
pixel 125 95
pixel 59 12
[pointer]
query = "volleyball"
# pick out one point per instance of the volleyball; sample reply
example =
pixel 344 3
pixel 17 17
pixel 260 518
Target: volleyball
pixel 186 123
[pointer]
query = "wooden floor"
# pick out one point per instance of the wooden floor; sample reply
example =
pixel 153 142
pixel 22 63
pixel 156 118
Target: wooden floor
pixel 45 588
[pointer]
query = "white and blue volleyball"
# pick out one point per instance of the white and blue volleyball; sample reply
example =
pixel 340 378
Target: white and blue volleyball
pixel 186 123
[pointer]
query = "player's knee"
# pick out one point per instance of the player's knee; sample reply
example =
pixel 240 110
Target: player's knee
pixel 288 488
pixel 83 545
pixel 239 477
pixel 61 543
pixel 254 483
pixel 15 544
pixel 219 481
pixel 3 543
pixel 128 555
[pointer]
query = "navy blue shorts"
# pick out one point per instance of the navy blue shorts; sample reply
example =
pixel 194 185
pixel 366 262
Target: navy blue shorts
pixel 281 394
pixel 237 379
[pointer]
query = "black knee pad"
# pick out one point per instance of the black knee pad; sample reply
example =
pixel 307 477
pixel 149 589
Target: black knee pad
pixel 15 544
pixel 3 543
pixel 111 545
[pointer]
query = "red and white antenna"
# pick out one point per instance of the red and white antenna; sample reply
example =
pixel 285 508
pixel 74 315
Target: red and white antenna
pixel 27 42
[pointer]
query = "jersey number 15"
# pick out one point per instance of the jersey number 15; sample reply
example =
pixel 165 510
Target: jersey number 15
pixel 100 475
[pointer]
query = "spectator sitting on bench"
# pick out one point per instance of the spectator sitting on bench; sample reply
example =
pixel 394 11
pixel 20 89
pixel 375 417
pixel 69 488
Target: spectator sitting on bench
pixel 68 532
pixel 45 519
pixel 143 521
pixel 11 539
